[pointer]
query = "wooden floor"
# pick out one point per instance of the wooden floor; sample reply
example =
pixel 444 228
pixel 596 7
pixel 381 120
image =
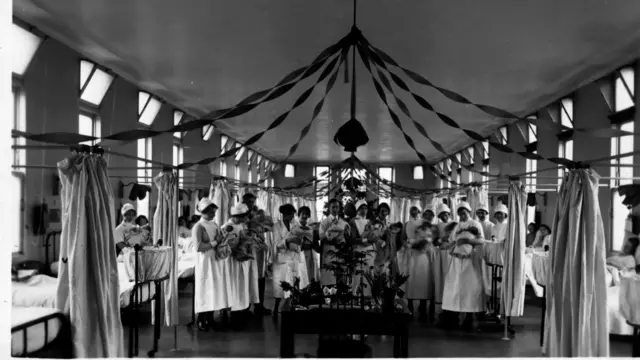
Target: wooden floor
pixel 261 339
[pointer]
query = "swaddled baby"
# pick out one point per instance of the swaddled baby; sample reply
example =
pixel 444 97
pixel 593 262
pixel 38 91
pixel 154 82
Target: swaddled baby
pixel 466 231
pixel 302 236
pixel 335 233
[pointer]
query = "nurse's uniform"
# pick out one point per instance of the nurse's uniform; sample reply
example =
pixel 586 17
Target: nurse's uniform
pixel 409 232
pixel 243 275
pixel 421 283
pixel 464 288
pixel 326 244
pixel 358 226
pixel 287 264
pixel 487 230
pixel 212 285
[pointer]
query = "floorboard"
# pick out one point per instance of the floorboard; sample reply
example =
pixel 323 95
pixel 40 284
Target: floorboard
pixel 261 338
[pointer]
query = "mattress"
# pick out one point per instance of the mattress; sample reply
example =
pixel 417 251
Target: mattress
pixel 617 322
pixel 38 291
pixel 38 335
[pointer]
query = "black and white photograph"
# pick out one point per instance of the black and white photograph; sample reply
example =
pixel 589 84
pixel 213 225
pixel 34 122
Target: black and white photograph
pixel 320 178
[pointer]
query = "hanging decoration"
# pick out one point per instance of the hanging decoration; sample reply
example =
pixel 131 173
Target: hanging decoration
pixel 352 134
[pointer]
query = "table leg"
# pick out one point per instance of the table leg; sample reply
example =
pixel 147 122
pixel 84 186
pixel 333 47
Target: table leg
pixel 544 310
pixel 287 340
pixel 405 344
pixel 636 342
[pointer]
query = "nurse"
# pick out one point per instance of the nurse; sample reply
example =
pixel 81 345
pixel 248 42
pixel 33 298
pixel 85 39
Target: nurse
pixel 408 232
pixel 310 250
pixel 333 231
pixel 358 237
pixel 123 232
pixel 212 288
pixel 428 216
pixel 463 288
pixel 421 256
pixel 482 213
pixel 243 275
pixel 499 231
pixel 444 215
pixel 289 261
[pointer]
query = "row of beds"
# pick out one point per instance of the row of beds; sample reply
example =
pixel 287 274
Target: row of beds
pixel 39 329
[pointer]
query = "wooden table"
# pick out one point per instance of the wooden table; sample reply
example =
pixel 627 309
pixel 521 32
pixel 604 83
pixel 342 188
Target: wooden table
pixel 326 321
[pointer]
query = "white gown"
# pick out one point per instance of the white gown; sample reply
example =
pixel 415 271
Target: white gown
pixel 243 276
pixel 287 264
pixel 487 230
pixel 463 287
pixel 212 286
pixel 360 224
pixel 326 276
pixel 403 254
pixel 499 231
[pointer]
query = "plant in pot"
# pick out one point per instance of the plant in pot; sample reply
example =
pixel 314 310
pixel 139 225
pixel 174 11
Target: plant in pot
pixel 385 287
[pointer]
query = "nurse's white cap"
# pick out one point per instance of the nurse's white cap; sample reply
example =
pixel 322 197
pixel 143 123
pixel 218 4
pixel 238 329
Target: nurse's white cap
pixel 360 203
pixel 205 203
pixel 443 208
pixel 126 208
pixel 483 207
pixel 464 205
pixel 239 209
pixel 501 208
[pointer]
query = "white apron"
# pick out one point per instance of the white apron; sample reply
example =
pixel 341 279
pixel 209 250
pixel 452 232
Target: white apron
pixel 488 230
pixel 326 276
pixel 287 264
pixel 464 288
pixel 421 282
pixel 360 224
pixel 404 253
pixel 243 276
pixel 212 288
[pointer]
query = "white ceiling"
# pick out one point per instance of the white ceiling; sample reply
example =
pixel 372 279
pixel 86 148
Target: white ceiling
pixel 203 55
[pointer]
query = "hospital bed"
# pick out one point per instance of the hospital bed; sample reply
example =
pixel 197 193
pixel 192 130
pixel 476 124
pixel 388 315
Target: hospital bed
pixel 617 323
pixel 39 332
pixel 39 291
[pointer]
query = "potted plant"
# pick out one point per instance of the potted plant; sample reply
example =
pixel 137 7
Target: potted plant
pixel 385 287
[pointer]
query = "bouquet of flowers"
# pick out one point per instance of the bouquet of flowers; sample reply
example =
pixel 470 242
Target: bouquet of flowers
pixel 384 287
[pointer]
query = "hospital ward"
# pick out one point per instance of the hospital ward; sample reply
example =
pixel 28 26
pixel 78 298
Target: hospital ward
pixel 321 179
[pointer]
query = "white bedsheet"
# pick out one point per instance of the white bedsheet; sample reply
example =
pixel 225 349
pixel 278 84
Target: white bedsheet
pixel 38 291
pixel 35 333
pixel 617 322
pixel 186 265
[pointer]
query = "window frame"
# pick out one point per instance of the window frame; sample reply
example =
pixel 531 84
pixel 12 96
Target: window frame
pixel 19 101
pixel 141 112
pixel 381 184
pixel 564 112
pixel 21 176
pixel 178 158
pixel 83 87
pixel 317 169
pixel 420 172
pixel 618 75
pixel 503 131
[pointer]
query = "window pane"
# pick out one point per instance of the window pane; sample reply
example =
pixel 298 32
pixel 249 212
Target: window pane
pixel 485 146
pixel 240 152
pixel 207 131
pixel 504 139
pixel 471 152
pixel 177 117
pixel 223 142
pixel 97 87
pixel 85 127
pixel 533 133
pixel 223 168
pixel 289 171
pixel 569 150
pixel 85 71
pixel 16 189
pixel 236 171
pixel 623 99
pixel 25 44
pixel 149 114
pixel 566 112
pixel 143 97
pixel 418 173
pixel 620 213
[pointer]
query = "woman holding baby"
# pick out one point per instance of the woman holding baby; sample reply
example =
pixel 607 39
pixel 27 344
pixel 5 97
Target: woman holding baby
pixel 463 288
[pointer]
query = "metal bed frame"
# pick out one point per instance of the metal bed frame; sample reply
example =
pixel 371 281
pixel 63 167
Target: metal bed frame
pixel 135 302
pixel 60 347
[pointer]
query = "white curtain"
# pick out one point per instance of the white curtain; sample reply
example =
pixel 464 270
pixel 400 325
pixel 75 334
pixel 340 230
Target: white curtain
pixel 262 200
pixel 476 196
pixel 88 287
pixel 577 315
pixel 513 281
pixel 165 227
pixel 221 196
